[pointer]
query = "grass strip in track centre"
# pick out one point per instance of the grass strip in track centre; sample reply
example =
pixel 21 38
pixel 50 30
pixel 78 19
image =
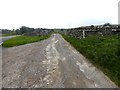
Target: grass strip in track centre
pixel 102 51
pixel 20 40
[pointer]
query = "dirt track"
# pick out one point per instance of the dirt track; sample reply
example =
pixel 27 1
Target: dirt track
pixel 51 63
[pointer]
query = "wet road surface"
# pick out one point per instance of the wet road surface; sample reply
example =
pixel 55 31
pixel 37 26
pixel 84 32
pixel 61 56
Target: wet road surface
pixel 51 63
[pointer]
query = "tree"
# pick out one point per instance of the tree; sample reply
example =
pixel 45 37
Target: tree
pixel 17 31
pixel 92 26
pixel 23 30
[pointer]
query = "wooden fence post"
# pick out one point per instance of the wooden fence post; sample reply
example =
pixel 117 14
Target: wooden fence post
pixel 83 33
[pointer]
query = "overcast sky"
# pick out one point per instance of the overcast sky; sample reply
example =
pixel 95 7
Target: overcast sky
pixel 57 13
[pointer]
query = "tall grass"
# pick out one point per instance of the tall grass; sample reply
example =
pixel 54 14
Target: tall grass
pixel 103 52
pixel 20 40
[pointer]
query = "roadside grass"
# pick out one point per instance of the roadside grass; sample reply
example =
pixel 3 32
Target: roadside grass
pixel 7 35
pixel 20 40
pixel 102 51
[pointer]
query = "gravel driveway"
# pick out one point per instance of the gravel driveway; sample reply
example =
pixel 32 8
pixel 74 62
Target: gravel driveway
pixel 51 63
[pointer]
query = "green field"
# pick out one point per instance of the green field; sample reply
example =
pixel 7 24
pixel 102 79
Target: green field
pixel 103 52
pixel 20 40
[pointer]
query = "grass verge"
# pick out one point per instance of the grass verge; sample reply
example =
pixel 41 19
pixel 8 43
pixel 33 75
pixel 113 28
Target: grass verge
pixel 103 52
pixel 3 35
pixel 20 40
